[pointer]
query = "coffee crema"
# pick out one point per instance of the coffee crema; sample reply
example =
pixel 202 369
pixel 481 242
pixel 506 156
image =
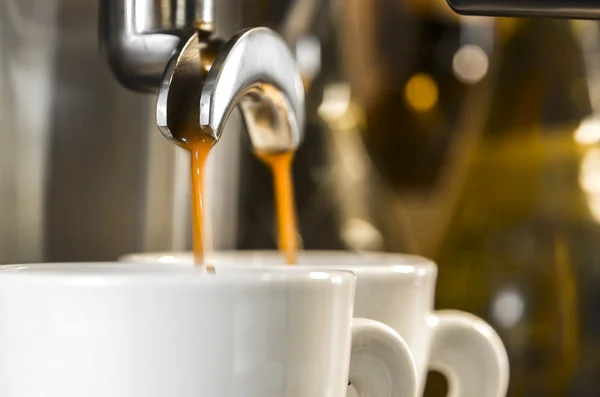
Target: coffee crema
pixel 280 165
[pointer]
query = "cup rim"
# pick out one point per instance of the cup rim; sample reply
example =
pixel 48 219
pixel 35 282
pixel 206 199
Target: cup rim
pixel 370 261
pixel 119 273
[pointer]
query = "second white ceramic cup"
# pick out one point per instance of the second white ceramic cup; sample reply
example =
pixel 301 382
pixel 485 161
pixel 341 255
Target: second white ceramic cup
pixel 397 290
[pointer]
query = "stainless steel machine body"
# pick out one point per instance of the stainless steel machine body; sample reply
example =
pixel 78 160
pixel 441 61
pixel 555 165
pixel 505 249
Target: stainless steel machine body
pixel 139 37
pixel 71 170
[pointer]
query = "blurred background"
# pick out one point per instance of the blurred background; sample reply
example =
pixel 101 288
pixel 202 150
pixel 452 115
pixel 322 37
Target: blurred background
pixel 473 141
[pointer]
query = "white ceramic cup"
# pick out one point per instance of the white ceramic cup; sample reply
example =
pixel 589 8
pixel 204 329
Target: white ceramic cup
pixel 398 290
pixel 119 330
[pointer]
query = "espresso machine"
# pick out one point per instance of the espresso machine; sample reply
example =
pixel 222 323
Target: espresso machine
pixel 56 84
pixel 398 96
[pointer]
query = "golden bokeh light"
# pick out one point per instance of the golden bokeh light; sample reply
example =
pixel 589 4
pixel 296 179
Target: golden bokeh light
pixel 421 92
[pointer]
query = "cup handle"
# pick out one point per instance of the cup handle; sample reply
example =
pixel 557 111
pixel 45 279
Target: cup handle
pixel 381 364
pixel 470 354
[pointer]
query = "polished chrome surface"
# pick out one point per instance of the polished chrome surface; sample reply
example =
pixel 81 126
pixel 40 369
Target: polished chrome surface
pixel 166 16
pixel 73 144
pixel 177 108
pixel 255 70
pixel 205 15
pixel 137 59
pixel 139 36
pixel 577 9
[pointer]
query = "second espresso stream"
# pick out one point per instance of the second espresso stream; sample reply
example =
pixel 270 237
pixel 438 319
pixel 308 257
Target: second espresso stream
pixel 280 165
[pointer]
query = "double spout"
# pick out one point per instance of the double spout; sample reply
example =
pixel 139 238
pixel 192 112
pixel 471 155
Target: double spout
pixel 254 72
pixel 166 45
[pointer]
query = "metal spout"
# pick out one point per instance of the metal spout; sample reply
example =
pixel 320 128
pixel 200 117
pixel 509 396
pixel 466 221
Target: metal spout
pixel 139 36
pixel 253 71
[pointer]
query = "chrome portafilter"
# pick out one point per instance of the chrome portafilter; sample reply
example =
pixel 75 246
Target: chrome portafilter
pixel 167 45
pixel 254 72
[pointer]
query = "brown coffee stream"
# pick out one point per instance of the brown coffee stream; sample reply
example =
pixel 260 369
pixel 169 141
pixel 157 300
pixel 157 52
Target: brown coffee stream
pixel 280 165
pixel 199 151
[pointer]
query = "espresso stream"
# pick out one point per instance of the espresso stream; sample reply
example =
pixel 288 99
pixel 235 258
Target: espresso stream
pixel 199 153
pixel 280 165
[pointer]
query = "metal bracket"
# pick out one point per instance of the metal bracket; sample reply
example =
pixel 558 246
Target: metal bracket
pixel 138 37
